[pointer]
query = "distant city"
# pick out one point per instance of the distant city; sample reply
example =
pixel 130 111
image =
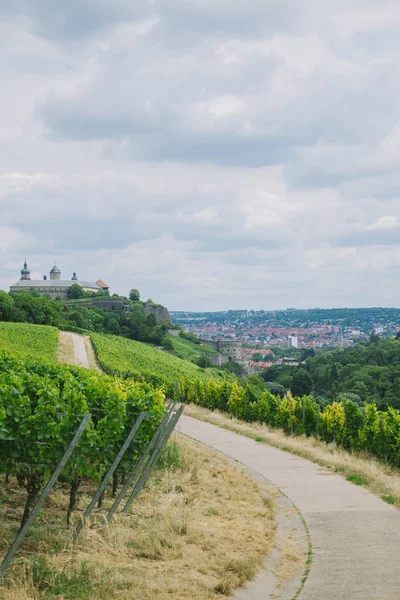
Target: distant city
pixel 290 329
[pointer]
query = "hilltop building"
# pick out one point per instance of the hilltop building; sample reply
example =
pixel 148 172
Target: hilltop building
pixel 231 350
pixel 54 287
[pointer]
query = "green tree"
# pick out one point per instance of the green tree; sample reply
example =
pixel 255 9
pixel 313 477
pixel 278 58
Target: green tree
pixel 134 295
pixel 75 292
pixel 306 353
pixel 276 389
pixel 6 306
pixel 203 362
pixel 301 384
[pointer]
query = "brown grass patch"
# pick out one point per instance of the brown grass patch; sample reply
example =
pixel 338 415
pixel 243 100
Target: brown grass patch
pixel 201 528
pixel 381 480
pixel 65 352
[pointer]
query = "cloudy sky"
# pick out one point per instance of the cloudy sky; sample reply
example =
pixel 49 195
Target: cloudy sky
pixel 214 154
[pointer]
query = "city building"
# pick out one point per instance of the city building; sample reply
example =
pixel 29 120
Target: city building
pixel 292 341
pixel 54 286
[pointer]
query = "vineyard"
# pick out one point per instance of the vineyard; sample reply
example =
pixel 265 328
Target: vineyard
pixel 356 429
pixel 120 356
pixel 24 339
pixel 41 407
pixel 188 350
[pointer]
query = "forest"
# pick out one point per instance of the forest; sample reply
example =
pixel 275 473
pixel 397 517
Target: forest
pixel 366 372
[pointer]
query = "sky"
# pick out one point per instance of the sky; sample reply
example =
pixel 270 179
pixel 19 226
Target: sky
pixel 214 154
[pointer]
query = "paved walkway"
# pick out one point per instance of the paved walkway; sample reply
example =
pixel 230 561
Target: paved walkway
pixel 355 535
pixel 81 359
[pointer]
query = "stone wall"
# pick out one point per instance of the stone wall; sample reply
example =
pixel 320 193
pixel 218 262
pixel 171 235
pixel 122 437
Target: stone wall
pixel 160 312
pixel 228 348
pixel 217 360
pixel 211 343
pixel 116 305
pixel 231 349
pixel 62 294
pixel 174 332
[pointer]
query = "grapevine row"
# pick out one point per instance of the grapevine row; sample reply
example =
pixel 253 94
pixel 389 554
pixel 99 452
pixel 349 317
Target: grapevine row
pixel 343 423
pixel 121 356
pixel 41 406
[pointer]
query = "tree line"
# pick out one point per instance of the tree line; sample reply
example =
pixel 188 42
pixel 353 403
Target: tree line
pixel 32 307
pixel 368 372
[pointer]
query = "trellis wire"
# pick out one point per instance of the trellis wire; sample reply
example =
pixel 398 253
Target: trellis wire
pixel 43 496
pixel 109 474
pixel 164 423
pixel 161 442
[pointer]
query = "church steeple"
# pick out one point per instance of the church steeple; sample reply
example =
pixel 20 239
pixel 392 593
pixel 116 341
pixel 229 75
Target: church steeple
pixel 25 273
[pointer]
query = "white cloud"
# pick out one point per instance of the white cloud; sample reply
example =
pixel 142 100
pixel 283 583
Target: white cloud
pixel 387 223
pixel 213 154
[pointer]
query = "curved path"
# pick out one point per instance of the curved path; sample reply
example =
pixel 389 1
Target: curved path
pixel 355 536
pixel 81 359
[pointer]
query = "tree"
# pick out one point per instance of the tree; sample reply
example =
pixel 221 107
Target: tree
pixel 302 383
pixel 166 343
pixel 234 367
pixel 373 338
pixel 203 362
pixel 306 353
pixel 134 295
pixel 276 389
pixel 258 357
pixel 75 292
pixel 113 326
pixel 6 306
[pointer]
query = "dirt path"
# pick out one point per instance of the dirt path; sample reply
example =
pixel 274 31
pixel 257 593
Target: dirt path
pixel 355 536
pixel 81 358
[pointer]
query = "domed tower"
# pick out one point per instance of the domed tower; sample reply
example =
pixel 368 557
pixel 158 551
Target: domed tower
pixel 25 273
pixel 74 277
pixel 55 273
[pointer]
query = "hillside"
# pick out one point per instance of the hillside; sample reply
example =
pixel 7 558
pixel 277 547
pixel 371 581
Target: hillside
pixel 24 339
pixel 368 371
pixel 120 355
pixel 189 350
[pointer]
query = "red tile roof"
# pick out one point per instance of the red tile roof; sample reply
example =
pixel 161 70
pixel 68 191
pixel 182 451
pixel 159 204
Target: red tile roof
pixel 102 284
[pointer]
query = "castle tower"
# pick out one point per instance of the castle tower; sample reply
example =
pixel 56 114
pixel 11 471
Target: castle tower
pixel 25 273
pixel 55 273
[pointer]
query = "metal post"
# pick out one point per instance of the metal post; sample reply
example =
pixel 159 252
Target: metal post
pixel 43 497
pixel 108 475
pixel 141 462
pixel 156 453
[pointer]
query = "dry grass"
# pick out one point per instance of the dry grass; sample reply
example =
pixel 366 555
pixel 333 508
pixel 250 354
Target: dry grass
pixel 381 480
pixel 93 364
pixel 200 529
pixel 291 557
pixel 65 352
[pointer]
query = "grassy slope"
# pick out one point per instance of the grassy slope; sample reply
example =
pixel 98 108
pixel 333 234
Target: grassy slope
pixel 188 350
pixel 24 339
pixel 122 355
pixel 200 528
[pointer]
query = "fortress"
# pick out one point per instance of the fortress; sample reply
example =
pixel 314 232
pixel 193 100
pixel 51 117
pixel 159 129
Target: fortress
pixel 232 350
pixel 54 287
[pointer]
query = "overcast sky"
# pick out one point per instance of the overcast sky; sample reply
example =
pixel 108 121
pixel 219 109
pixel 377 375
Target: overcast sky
pixel 213 154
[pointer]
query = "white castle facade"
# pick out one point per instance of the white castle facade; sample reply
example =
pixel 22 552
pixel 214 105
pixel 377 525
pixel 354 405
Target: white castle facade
pixel 53 286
